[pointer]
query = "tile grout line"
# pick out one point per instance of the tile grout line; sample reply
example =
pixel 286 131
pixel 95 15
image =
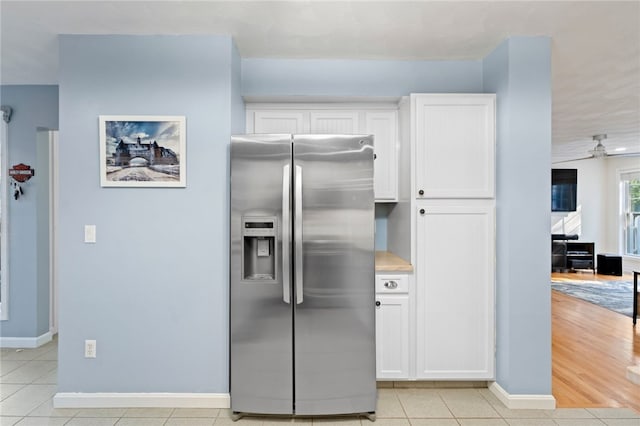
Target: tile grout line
pixel 448 408
pixel 406 416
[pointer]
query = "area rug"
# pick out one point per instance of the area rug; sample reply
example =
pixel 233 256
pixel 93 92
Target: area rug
pixel 613 295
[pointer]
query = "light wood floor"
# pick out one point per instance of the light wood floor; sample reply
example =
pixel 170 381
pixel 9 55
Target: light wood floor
pixel 591 350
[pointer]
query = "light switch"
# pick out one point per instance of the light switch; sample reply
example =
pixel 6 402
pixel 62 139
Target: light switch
pixel 89 233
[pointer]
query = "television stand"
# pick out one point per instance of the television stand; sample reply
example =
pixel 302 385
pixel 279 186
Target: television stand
pixel 572 256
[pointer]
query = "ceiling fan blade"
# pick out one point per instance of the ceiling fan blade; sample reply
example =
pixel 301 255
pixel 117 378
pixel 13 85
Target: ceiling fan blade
pixel 626 154
pixel 574 159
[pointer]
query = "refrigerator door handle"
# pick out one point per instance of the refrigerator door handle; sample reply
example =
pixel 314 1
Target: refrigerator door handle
pixel 286 230
pixel 298 234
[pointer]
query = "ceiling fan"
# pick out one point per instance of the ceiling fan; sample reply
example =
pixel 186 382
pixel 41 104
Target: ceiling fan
pixel 599 151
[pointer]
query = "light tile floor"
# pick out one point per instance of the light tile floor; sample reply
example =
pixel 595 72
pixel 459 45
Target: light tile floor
pixel 28 382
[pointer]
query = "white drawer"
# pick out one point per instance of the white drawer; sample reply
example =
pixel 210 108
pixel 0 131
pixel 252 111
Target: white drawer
pixel 392 284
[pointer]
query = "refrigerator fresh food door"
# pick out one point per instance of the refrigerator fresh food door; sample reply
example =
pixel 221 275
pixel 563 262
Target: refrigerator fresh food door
pixel 334 312
pixel 261 334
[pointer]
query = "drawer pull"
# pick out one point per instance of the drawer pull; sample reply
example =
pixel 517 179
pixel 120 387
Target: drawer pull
pixel 391 285
pixel 377 303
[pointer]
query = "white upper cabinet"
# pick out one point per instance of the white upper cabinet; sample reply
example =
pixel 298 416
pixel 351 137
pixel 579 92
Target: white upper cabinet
pixel 455 145
pixel 278 122
pixel 381 122
pixel 336 122
pixel 383 125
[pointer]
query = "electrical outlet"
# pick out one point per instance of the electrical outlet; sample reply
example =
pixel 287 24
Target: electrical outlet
pixel 89 348
pixel 89 233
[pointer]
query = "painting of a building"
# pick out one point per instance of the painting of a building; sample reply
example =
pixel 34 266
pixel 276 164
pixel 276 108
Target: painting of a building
pixel 151 152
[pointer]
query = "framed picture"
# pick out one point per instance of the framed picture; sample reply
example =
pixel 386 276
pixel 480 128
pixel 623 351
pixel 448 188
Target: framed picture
pixel 142 151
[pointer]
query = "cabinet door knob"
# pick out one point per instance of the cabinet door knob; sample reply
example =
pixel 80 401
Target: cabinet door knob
pixel 377 303
pixel 375 156
pixel 421 192
pixel 391 285
pixel 421 211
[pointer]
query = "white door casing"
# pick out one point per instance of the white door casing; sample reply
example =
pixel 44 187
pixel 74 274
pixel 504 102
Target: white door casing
pixel 4 223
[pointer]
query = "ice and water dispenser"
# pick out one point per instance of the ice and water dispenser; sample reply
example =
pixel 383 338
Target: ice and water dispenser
pixel 259 248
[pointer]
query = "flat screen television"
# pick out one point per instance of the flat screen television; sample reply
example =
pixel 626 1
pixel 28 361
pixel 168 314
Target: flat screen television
pixel 564 189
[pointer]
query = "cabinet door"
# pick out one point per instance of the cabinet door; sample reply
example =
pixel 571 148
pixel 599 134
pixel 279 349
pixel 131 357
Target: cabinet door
pixel 339 122
pixel 455 146
pixel 392 336
pixel 278 122
pixel 383 126
pixel 455 291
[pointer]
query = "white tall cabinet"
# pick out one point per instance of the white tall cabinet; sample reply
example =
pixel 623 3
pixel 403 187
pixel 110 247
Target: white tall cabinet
pixel 453 141
pixel 379 120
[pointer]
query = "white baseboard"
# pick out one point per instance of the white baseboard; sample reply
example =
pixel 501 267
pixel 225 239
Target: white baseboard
pixel 25 342
pixel 531 402
pixel 141 400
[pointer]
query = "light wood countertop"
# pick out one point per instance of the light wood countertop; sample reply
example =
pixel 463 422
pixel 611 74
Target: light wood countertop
pixel 389 262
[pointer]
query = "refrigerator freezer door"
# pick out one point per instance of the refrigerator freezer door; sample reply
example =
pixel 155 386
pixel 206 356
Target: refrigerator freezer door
pixel 335 323
pixel 261 335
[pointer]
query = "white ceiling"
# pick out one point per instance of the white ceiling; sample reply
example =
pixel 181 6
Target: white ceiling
pixel 595 44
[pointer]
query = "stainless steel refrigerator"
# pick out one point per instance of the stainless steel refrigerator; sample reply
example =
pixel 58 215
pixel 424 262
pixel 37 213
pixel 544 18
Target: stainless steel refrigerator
pixel 302 313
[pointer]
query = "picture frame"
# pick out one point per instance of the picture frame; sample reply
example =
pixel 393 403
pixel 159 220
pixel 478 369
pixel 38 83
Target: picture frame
pixel 142 151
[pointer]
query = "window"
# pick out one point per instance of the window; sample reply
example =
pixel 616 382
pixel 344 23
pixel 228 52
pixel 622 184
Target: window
pixel 630 188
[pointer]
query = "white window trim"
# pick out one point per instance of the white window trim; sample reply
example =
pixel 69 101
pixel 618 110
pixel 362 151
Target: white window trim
pixel 621 214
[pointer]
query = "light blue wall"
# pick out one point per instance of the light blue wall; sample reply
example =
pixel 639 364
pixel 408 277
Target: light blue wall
pixel 238 116
pixel 382 213
pixel 519 71
pixel 312 77
pixel 153 290
pixel 33 107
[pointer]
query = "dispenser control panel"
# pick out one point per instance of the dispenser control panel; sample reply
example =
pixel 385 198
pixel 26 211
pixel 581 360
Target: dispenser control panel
pixel 259 226
pixel 259 248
